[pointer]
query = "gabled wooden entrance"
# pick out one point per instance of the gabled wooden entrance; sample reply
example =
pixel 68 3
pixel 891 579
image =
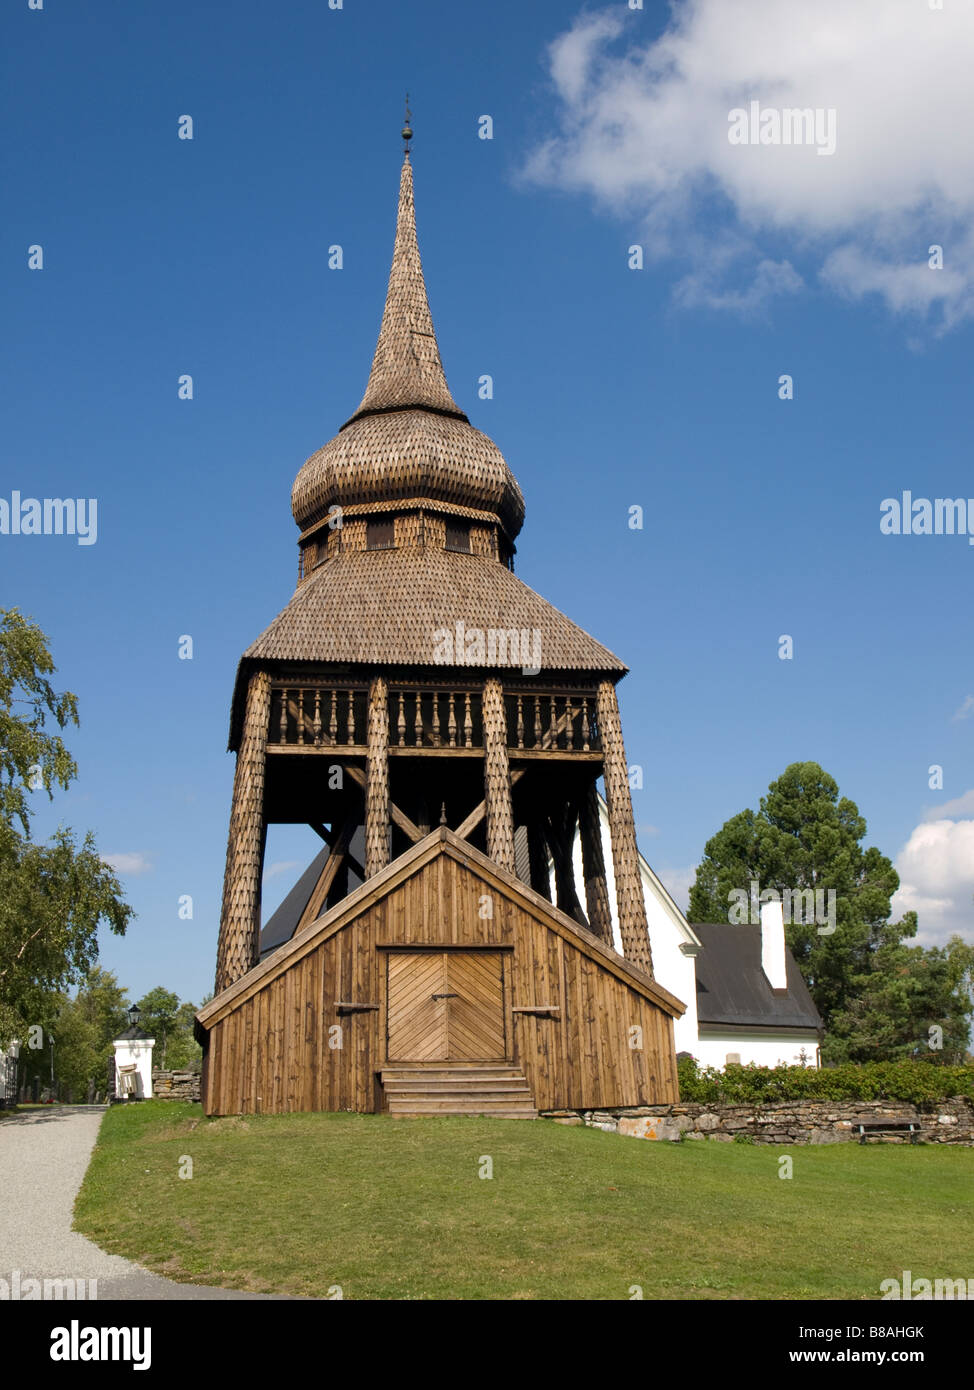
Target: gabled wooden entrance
pixel 445 1006
pixel 306 1029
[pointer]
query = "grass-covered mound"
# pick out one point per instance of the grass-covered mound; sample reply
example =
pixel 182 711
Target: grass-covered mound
pixel 384 1208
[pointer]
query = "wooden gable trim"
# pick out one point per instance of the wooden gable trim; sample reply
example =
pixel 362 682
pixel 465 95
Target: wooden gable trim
pixel 440 841
pixel 578 936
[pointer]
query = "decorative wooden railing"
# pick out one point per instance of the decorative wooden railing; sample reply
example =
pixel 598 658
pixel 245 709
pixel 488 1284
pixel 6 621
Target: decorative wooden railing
pixel 435 718
pixel 551 721
pixel 320 715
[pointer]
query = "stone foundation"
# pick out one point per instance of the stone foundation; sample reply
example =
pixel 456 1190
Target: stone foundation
pixel 176 1085
pixel 781 1121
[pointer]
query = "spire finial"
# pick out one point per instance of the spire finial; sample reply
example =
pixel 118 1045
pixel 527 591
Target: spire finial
pixel 407 130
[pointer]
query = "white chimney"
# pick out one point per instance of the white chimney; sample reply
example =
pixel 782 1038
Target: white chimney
pixel 773 945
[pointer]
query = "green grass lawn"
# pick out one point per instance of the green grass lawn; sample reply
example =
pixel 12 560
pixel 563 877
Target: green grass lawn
pixel 387 1208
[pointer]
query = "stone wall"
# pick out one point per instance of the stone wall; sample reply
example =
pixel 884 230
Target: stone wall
pixel 176 1085
pixel 781 1121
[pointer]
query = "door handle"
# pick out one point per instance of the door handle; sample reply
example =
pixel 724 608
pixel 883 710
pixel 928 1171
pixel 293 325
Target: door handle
pixel 445 996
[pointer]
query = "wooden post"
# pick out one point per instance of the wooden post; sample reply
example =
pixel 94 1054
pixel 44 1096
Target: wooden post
pixel 593 865
pixel 625 856
pixel 377 780
pixel 497 778
pixel 238 948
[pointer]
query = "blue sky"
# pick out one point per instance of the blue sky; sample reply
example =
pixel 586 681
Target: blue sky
pixel 613 387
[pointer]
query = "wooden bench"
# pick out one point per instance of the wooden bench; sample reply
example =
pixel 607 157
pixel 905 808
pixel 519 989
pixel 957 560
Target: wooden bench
pixel 873 1126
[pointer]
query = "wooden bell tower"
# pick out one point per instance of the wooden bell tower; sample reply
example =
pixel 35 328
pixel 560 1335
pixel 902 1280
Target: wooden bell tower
pixel 412 681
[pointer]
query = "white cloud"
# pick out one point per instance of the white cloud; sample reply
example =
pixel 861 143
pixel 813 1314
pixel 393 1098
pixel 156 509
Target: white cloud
pixel 282 866
pixel 129 865
pixel 952 810
pixel 936 869
pixel 643 127
pixel 702 288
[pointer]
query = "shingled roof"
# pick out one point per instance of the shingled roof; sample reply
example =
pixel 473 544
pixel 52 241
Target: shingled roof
pixel 384 608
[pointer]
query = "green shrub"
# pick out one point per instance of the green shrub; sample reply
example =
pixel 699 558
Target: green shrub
pixel 914 1081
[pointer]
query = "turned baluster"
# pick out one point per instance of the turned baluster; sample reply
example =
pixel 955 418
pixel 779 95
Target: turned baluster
pixel 418 721
pixel 537 721
pixel 520 721
pixel 452 723
pixel 350 717
pixel 570 712
pixel 300 716
pixel 333 717
pixel 552 735
pixel 467 722
pixel 316 722
pixel 586 727
pixel 401 722
pixel 283 737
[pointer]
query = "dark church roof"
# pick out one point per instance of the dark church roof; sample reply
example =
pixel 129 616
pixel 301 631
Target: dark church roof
pixel 282 923
pixel 280 926
pixel 733 989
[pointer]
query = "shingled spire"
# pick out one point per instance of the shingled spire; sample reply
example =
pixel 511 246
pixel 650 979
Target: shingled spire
pixel 406 369
pixel 408 440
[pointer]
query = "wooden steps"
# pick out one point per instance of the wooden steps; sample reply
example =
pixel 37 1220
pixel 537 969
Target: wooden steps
pixel 499 1090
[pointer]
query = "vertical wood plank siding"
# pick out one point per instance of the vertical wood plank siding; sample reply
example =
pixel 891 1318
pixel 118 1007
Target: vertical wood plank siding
pixel 274 1050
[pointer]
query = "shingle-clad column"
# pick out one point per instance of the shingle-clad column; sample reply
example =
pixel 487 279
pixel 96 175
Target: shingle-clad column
pixel 377 780
pixel 625 856
pixel 497 778
pixel 238 948
pixel 593 865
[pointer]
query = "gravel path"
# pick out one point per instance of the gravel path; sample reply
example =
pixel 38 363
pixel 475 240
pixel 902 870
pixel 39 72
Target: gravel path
pixel 43 1158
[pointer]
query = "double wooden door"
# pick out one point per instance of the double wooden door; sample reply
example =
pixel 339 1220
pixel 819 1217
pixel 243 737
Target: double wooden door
pixel 445 1006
